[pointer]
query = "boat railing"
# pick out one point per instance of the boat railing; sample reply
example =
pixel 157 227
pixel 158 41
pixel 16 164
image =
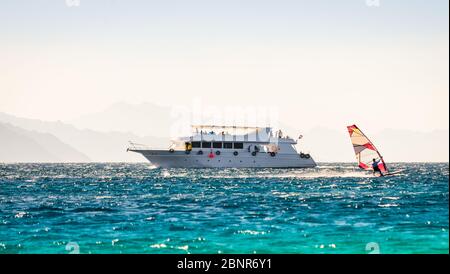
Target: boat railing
pixel 136 146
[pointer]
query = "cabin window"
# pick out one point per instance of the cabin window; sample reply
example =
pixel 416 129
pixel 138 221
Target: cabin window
pixel 206 144
pixel 217 144
pixel 228 145
pixel 195 144
pixel 238 145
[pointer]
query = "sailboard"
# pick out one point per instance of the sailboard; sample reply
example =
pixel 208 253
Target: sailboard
pixel 366 151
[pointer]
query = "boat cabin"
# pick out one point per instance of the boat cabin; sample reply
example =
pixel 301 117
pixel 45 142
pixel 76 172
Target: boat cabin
pixel 233 138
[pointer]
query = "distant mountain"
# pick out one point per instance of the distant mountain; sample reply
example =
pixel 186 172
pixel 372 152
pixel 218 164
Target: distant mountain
pixel 144 119
pixel 98 146
pixel 19 145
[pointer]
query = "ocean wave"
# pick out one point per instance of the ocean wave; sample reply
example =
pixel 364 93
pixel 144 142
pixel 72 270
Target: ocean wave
pixel 388 205
pixel 20 214
pixel 158 246
pixel 93 209
pixel 251 232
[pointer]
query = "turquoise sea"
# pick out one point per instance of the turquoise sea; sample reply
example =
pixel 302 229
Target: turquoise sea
pixel 134 208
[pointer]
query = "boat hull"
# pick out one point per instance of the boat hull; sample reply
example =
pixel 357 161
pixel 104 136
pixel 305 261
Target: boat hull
pixel 179 159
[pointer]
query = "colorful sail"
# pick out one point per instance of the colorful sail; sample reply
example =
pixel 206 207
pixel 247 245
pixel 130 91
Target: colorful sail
pixel 365 150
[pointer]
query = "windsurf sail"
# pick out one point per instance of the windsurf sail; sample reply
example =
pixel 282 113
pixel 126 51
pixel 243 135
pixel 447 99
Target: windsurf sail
pixel 365 150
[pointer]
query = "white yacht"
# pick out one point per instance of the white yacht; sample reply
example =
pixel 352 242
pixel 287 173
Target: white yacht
pixel 228 147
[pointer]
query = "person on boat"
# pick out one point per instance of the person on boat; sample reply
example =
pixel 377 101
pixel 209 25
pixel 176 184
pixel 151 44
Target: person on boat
pixel 376 168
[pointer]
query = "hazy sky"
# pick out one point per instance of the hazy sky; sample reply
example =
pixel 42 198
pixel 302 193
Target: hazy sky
pixel 322 63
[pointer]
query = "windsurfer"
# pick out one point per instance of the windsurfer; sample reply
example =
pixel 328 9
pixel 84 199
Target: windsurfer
pixel 375 167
